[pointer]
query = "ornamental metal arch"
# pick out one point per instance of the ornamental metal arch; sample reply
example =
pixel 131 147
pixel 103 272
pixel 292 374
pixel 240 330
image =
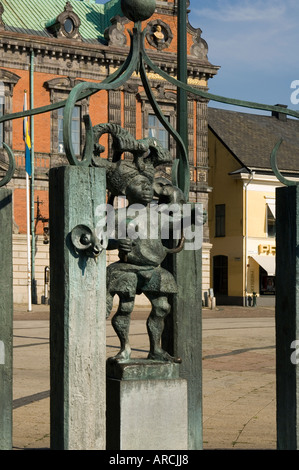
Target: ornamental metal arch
pixel 138 61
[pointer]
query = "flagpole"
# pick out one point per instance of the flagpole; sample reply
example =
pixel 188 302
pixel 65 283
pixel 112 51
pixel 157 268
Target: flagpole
pixel 28 170
pixel 28 244
pixel 33 247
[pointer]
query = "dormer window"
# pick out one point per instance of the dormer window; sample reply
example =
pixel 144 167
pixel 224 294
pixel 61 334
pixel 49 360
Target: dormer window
pixel 66 24
pixel 69 26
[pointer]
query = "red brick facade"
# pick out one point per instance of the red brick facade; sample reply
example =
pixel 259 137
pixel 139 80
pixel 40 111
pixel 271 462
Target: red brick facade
pixel 60 62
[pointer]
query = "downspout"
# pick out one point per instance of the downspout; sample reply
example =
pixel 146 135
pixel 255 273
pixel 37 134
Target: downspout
pixel 33 248
pixel 245 299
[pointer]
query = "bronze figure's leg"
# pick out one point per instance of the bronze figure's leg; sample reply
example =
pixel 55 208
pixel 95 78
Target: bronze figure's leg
pixel 155 326
pixel 121 325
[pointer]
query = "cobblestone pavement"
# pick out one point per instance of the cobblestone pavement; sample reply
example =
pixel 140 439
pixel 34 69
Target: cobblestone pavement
pixel 238 376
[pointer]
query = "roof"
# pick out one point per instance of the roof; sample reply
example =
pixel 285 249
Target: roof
pixel 251 138
pixel 32 16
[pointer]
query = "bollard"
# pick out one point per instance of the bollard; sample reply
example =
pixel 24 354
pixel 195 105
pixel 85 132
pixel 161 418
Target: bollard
pixel 46 285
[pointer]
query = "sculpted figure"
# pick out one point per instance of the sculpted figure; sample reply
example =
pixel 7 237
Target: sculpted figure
pixel 158 34
pixel 139 267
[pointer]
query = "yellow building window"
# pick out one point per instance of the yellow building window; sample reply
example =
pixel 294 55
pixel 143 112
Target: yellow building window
pixel 220 275
pixel 271 225
pixel 220 220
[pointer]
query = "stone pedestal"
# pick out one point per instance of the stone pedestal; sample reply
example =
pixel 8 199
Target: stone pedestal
pixel 78 313
pixel 146 406
pixel 6 319
pixel 182 336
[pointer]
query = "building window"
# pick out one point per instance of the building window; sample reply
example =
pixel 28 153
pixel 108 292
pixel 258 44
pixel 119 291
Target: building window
pixel 8 80
pixel 76 127
pixel 220 275
pixel 267 283
pixel 271 225
pixel 59 89
pixel 2 101
pixel 158 131
pixel 69 26
pixel 220 220
pixel 66 24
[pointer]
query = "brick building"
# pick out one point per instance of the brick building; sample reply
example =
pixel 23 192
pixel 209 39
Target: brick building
pixel 48 47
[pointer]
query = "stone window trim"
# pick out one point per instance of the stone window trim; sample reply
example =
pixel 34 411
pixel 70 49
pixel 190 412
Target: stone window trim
pixel 67 24
pixel 9 80
pixel 59 90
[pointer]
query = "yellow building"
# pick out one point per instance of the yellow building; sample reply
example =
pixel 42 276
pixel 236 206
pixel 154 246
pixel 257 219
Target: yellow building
pixel 242 201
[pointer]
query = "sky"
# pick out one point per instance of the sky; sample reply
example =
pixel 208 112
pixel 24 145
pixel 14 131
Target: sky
pixel 256 45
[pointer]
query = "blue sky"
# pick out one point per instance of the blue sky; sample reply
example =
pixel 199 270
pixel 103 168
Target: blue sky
pixel 256 44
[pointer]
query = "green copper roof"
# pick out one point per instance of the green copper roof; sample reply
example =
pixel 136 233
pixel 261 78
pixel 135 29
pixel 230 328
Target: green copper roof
pixel 31 16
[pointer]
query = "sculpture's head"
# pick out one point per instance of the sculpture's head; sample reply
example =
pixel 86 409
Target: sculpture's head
pixel 167 193
pixel 140 190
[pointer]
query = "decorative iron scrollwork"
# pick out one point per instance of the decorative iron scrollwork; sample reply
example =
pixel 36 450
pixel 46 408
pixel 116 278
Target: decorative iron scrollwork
pixel 279 176
pixel 137 61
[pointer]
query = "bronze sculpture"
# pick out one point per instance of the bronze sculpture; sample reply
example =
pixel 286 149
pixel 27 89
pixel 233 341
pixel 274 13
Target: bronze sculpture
pixel 139 267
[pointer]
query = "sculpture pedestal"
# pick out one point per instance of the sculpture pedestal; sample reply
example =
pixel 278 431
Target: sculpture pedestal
pixel 146 406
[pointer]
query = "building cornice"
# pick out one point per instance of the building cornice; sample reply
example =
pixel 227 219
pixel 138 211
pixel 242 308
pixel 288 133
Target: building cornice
pixel 261 178
pixel 69 49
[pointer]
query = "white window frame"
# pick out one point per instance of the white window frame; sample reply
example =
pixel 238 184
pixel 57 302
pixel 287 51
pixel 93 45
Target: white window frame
pixel 158 131
pixel 76 132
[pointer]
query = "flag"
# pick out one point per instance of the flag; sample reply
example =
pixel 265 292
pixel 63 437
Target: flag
pixel 26 138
